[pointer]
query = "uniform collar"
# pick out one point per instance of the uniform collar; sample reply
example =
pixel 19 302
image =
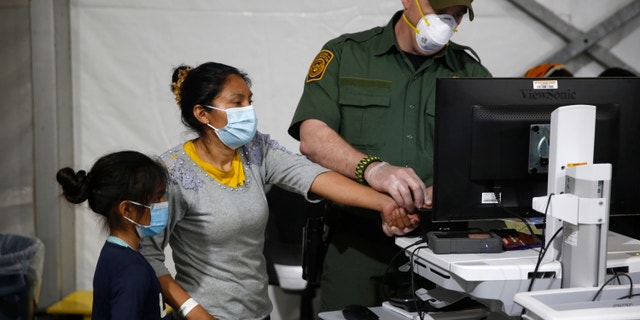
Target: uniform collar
pixel 388 39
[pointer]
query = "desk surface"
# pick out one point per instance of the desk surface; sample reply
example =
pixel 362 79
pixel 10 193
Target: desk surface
pixel 499 276
pixel 516 264
pixel 481 266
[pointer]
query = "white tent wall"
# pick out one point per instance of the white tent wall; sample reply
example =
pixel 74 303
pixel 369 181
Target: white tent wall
pixel 123 53
pixel 16 132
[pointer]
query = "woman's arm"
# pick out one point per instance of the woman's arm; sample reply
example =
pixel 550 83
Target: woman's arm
pixel 338 188
pixel 175 296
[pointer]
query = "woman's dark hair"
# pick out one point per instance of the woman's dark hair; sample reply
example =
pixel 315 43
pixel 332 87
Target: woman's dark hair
pixel 200 85
pixel 119 176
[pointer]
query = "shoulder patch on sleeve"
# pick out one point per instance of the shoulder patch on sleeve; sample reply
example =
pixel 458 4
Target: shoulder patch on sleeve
pixel 319 65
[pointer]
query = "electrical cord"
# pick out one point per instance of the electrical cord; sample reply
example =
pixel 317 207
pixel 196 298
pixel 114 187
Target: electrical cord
pixel 541 254
pixel 611 279
pixel 526 223
pixel 544 220
pixel 543 246
pixel 615 274
pixel 418 306
pixel 390 264
pixel 629 296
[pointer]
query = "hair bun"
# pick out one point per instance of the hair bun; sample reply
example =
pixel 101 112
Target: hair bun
pixel 75 186
pixel 178 77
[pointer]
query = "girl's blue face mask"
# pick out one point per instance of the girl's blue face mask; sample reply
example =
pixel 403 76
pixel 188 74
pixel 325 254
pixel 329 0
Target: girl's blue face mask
pixel 159 216
pixel 242 125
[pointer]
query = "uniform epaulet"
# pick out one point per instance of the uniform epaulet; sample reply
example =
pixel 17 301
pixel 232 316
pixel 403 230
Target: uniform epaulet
pixel 466 49
pixel 359 36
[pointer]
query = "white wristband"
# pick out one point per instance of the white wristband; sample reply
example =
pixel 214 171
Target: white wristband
pixel 186 307
pixel 374 169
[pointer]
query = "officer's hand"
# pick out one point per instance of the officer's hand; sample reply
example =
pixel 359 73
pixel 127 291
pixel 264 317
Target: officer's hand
pixel 402 184
pixel 428 203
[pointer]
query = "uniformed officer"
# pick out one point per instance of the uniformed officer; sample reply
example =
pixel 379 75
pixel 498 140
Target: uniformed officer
pixel 367 111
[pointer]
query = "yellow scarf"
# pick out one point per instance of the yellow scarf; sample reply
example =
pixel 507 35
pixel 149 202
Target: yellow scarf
pixel 232 178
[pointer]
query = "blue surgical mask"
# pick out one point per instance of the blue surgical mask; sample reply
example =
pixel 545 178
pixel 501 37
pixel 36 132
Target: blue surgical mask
pixel 242 124
pixel 159 216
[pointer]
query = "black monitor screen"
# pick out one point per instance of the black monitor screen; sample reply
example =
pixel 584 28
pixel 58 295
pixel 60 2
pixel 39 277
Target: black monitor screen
pixel 491 142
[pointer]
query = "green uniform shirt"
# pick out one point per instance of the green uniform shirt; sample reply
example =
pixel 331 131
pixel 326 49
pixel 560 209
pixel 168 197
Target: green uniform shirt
pixel 365 88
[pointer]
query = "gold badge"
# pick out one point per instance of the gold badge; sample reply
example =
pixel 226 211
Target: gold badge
pixel 319 65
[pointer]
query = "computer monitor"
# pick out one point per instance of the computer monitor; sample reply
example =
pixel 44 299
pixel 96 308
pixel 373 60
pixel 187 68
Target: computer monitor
pixel 491 139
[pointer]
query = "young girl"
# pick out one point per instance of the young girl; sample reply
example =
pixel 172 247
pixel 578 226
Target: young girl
pixel 126 188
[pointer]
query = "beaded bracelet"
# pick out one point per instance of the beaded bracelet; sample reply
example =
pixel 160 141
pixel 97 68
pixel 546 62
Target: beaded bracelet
pixel 362 166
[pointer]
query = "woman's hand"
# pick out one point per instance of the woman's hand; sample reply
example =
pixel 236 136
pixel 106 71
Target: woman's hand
pixel 395 220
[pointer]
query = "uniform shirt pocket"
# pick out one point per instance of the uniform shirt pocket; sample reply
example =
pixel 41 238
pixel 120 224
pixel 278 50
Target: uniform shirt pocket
pixel 364 107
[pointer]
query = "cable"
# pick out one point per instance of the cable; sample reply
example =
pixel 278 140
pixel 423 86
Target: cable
pixel 418 306
pixel 543 247
pixel 395 256
pixel 615 273
pixel 526 223
pixel 541 255
pixel 611 279
pixel 546 210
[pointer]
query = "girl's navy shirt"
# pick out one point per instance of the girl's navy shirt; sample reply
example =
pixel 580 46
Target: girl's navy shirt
pixel 125 286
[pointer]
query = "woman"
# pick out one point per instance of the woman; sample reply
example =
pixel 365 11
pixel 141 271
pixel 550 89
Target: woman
pixel 127 189
pixel 218 208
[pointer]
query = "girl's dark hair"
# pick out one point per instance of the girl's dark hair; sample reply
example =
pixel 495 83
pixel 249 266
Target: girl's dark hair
pixel 119 176
pixel 200 85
